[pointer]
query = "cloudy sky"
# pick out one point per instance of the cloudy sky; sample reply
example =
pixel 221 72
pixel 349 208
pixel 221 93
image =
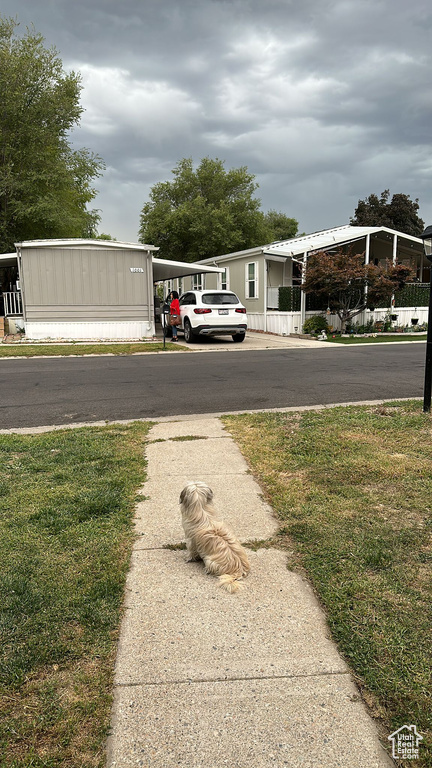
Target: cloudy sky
pixel 325 101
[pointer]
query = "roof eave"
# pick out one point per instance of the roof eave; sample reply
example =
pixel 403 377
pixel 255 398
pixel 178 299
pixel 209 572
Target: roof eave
pixel 77 242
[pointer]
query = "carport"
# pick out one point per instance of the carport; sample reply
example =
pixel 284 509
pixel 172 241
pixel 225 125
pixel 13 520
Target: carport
pixel 10 295
pixel 86 289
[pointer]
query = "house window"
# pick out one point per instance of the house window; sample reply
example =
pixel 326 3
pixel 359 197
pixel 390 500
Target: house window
pixel 252 280
pixel 197 282
pixel 224 280
pixel 180 285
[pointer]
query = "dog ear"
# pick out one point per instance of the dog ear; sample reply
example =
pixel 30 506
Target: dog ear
pixel 209 494
pixel 182 496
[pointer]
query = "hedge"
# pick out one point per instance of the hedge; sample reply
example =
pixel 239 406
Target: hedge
pixel 412 295
pixel 289 298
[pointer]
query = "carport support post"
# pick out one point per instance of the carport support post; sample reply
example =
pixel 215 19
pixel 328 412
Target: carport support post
pixel 164 323
pixel 427 245
pixel 428 366
pixel 302 294
pixel 367 260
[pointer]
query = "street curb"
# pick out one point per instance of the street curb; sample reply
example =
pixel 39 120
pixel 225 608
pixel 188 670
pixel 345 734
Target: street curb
pixel 199 416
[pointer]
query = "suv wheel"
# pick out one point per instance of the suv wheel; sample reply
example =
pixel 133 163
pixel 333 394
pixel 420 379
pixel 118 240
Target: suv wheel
pixel 238 337
pixel 188 333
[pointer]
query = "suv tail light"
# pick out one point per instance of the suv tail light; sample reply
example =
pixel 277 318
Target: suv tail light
pixel 201 311
pixel 242 311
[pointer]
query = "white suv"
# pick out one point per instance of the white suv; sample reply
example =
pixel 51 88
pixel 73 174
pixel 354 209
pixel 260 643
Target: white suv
pixel 212 313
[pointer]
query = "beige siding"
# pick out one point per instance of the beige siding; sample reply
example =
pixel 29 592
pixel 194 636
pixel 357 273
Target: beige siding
pixel 74 284
pixel 78 313
pixel 211 281
pixel 275 274
pixel 237 280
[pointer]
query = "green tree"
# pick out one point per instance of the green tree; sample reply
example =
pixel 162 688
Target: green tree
pixel 400 213
pixel 45 185
pixel 104 236
pixel 349 285
pixel 204 212
pixel 280 226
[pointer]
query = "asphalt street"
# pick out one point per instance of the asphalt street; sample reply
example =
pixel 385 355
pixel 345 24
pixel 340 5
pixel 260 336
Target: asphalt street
pixel 42 392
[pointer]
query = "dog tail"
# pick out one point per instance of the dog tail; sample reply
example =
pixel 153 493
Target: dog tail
pixel 230 583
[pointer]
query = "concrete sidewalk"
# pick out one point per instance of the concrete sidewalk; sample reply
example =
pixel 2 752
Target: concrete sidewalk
pixel 205 678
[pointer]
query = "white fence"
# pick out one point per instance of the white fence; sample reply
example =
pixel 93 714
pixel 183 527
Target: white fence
pixel 282 323
pixel 273 297
pixel 287 323
pixel 12 304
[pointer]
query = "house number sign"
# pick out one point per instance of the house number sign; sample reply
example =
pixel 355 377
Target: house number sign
pixel 136 269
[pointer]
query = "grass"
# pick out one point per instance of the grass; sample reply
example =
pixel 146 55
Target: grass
pixel 66 507
pixel 352 488
pixel 379 339
pixel 33 350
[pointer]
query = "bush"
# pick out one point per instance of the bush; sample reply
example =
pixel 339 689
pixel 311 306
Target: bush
pixel 369 327
pixel 316 324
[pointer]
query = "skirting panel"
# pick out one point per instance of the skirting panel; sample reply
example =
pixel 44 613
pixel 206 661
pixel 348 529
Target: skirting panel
pixel 281 323
pixel 90 331
pixel 287 323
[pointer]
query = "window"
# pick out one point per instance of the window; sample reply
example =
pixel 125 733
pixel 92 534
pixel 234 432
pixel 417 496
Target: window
pixel 252 280
pixel 224 280
pixel 188 298
pixel 220 298
pixel 197 282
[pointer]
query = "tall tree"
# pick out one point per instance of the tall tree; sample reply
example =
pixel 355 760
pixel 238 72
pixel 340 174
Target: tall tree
pixel 281 227
pixel 45 185
pixel 351 286
pixel 205 212
pixel 400 213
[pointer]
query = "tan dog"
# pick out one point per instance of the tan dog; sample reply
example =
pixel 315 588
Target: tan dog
pixel 208 539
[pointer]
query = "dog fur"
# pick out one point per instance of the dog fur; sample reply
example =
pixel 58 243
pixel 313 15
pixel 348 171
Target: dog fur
pixel 209 539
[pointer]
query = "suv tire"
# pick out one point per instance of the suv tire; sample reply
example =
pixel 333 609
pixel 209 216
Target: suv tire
pixel 238 337
pixel 189 335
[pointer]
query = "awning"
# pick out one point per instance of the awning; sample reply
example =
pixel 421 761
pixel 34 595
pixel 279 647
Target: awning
pixel 168 270
pixel 8 260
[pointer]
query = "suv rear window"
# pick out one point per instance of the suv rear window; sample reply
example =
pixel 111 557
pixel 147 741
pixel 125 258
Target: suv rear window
pixel 219 298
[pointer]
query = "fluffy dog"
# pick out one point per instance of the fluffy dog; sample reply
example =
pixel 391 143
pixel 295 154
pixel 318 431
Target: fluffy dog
pixel 208 539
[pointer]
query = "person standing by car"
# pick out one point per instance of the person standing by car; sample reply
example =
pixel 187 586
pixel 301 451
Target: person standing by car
pixel 174 313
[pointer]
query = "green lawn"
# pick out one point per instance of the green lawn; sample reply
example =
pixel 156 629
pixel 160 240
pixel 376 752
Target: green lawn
pixel 33 350
pixel 352 488
pixel 378 339
pixel 66 506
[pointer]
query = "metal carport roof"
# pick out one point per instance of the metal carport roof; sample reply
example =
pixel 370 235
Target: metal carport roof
pixel 163 269
pixel 337 236
pixel 8 260
pixel 167 270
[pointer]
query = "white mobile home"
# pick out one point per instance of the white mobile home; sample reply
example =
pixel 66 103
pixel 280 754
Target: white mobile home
pixel 86 289
pixel 257 274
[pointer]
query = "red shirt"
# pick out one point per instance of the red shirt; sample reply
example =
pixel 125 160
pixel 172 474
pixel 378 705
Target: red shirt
pixel 175 307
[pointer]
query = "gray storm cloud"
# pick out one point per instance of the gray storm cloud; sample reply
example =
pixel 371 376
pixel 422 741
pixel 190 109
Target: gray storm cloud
pixel 325 102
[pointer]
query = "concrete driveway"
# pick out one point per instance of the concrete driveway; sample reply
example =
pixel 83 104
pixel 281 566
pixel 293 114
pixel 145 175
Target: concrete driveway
pixel 254 340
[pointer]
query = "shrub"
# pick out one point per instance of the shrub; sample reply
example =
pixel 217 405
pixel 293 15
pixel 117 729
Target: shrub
pixel 368 327
pixel 315 324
